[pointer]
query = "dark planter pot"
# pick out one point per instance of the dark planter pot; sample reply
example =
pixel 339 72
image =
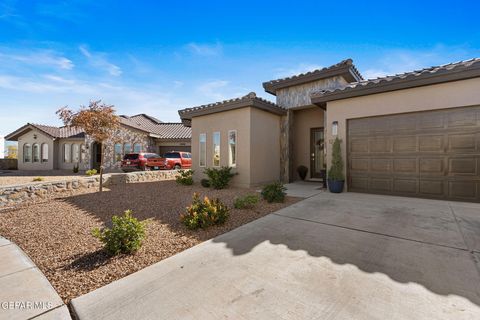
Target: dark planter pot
pixel 335 186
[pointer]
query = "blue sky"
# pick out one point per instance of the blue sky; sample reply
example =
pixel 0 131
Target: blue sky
pixel 157 57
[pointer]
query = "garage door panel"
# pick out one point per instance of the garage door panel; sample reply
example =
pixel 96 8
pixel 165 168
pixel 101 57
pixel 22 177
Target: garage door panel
pixel 381 184
pixel 405 144
pixel 383 145
pixel 431 143
pixel 462 143
pixel 431 166
pixel 463 166
pixel 359 164
pixel 359 145
pixel 408 166
pixel 381 165
pixel 405 185
pixel 434 154
pixel 463 189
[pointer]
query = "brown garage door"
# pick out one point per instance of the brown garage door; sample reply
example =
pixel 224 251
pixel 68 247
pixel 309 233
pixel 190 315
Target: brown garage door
pixel 433 154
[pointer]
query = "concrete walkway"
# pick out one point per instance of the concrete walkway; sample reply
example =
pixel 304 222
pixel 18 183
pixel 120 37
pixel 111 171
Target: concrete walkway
pixel 25 293
pixel 345 256
pixel 304 189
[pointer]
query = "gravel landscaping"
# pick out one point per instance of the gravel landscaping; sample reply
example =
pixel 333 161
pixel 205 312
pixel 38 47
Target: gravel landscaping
pixel 56 234
pixel 15 177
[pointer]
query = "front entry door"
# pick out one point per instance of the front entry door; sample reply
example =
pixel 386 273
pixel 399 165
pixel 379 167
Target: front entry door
pixel 317 153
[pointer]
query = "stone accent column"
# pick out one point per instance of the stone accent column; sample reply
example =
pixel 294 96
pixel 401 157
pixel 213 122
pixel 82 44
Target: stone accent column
pixel 286 146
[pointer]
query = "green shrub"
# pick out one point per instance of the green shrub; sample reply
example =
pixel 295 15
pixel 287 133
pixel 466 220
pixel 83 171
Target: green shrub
pixel 246 202
pixel 205 183
pixel 91 172
pixel 125 236
pixel 75 168
pixel 185 177
pixel 274 192
pixel 38 179
pixel 204 213
pixel 336 170
pixel 219 178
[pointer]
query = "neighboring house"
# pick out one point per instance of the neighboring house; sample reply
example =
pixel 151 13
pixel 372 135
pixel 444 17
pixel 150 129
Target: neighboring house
pixel 43 147
pixel 413 134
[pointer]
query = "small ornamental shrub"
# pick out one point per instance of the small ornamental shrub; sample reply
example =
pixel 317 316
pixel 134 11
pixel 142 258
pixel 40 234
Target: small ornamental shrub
pixel 91 172
pixel 185 177
pixel 302 172
pixel 219 178
pixel 274 192
pixel 75 168
pixel 205 183
pixel 247 202
pixel 204 213
pixel 38 179
pixel 336 170
pixel 125 236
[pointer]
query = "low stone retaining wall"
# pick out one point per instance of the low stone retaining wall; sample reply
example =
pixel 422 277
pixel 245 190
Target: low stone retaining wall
pixel 38 191
pixel 8 164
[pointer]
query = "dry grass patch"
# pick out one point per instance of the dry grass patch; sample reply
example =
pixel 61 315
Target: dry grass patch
pixel 57 234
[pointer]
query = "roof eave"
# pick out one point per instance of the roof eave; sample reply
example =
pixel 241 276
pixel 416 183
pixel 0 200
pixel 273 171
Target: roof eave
pixel 256 103
pixel 399 84
pixel 345 71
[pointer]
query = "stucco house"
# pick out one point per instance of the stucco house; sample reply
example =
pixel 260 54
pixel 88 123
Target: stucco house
pixel 413 134
pixel 42 147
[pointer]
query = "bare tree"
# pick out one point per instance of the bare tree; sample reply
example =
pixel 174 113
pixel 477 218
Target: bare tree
pixel 98 120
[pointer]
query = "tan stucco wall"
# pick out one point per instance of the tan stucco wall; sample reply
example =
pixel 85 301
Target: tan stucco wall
pixel 265 147
pixel 222 122
pixel 41 138
pixel 304 120
pixel 441 96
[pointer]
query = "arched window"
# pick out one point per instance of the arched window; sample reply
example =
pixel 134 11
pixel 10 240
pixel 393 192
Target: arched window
pixel 118 152
pixel 127 148
pixel 67 153
pixel 27 153
pixel 137 148
pixel 75 153
pixel 82 153
pixel 36 152
pixel 44 152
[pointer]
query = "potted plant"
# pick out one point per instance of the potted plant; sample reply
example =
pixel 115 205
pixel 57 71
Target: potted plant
pixel 302 172
pixel 336 179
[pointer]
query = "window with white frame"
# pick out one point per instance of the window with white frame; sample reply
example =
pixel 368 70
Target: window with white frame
pixel 36 152
pixel 27 152
pixel 44 152
pixel 203 149
pixel 127 148
pixel 75 153
pixel 137 148
pixel 232 148
pixel 216 149
pixel 67 153
pixel 118 152
pixel 83 152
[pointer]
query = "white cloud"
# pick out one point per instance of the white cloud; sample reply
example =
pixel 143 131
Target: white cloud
pixel 213 89
pixel 205 49
pixel 99 60
pixel 40 58
pixel 177 84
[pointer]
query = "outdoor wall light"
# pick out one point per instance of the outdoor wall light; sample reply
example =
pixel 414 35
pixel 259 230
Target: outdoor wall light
pixel 334 128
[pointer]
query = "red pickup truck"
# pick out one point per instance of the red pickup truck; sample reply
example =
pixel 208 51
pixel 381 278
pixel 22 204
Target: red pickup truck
pixel 176 160
pixel 141 161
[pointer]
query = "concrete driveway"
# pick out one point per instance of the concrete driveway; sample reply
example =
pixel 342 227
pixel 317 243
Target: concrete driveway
pixel 346 256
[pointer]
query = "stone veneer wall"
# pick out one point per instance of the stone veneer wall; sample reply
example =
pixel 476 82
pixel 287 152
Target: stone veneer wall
pixel 122 135
pixel 39 191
